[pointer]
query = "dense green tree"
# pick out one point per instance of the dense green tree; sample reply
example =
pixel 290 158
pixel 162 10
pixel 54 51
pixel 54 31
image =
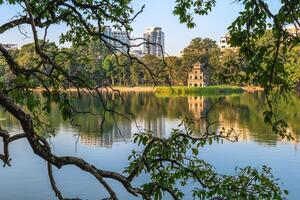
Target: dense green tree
pixel 230 71
pixel 120 70
pixel 109 68
pixel 292 65
pixel 176 70
pixel 155 71
pixel 5 73
pixel 289 71
pixel 86 59
pixel 199 50
pixel 136 74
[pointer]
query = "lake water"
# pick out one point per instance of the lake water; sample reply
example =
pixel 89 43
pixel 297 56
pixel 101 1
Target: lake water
pixel 108 149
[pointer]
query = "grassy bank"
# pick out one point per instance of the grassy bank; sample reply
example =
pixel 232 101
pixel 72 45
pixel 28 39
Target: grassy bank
pixel 205 91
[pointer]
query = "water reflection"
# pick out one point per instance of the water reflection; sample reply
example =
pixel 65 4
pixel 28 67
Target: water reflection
pixel 196 106
pixel 243 113
pixel 157 126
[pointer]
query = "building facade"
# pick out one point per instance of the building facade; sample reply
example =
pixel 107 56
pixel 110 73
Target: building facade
pixel 10 46
pixel 120 40
pixel 199 76
pixel 138 53
pixel 108 33
pixel 154 41
pixel 224 42
pixel 293 30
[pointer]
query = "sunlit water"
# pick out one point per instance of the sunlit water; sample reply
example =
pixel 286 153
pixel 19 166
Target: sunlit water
pixel 28 179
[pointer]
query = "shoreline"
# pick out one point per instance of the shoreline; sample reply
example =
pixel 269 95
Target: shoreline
pixel 249 89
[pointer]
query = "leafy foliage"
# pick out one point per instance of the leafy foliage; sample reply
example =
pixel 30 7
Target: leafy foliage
pixel 173 163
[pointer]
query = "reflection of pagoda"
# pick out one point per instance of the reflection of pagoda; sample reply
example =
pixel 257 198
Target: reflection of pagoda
pixel 157 126
pixel 196 105
pixel 120 133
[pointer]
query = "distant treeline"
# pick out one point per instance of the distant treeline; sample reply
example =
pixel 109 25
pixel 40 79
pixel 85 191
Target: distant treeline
pixel 93 62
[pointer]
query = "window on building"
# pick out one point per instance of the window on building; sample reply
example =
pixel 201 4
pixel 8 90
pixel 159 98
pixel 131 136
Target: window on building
pixel 196 77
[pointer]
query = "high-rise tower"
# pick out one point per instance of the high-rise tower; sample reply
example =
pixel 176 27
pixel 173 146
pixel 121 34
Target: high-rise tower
pixel 154 41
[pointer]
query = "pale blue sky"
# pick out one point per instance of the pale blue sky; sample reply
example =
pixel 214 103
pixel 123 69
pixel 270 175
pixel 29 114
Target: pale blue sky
pixel 156 13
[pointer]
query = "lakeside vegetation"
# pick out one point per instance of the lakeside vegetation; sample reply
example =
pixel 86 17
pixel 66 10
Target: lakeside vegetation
pixel 204 91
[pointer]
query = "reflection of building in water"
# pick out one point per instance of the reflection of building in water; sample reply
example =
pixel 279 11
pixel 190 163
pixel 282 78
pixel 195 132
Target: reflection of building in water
pixel 122 132
pixel 119 133
pixel 157 126
pixel 95 140
pixel 196 105
pixel 243 132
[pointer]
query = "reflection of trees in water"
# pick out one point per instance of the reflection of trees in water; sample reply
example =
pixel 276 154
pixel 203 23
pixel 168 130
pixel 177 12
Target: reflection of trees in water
pixel 7 120
pixel 244 113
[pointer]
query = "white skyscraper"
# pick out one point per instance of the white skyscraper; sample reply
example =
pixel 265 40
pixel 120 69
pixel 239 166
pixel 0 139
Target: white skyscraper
pixel 108 33
pixel 10 46
pixel 156 41
pixel 120 40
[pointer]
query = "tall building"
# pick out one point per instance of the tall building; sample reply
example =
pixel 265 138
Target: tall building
pixel 10 46
pixel 122 39
pixel 154 41
pixel 108 33
pixel 138 53
pixel 224 42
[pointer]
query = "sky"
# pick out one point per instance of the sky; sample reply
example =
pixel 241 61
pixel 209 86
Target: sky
pixel 157 13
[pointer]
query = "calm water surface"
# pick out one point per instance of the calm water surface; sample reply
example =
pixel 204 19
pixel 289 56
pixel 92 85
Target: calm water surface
pixel 27 178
